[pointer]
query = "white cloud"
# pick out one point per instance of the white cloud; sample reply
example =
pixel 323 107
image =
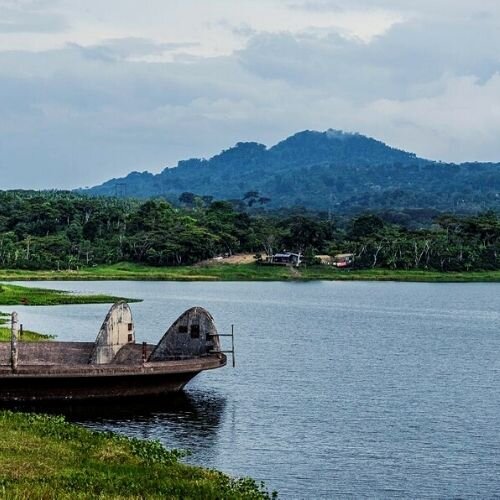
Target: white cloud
pixel 125 86
pixel 460 123
pixel 218 27
pixel 29 16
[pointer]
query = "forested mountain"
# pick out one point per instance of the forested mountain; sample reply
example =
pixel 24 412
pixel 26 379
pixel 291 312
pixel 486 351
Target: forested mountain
pixel 332 170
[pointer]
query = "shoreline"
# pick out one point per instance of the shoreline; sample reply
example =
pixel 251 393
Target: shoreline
pixel 14 295
pixel 245 272
pixel 42 456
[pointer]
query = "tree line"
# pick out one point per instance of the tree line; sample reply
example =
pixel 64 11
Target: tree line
pixel 61 230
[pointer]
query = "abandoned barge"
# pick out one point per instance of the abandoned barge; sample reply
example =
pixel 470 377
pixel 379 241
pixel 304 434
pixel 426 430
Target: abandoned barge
pixel 113 366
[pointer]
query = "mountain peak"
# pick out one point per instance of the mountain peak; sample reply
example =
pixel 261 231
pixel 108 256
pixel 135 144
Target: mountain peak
pixel 310 146
pixel 339 134
pixel 309 168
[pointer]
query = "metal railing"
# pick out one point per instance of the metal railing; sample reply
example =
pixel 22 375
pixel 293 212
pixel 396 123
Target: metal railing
pixel 232 344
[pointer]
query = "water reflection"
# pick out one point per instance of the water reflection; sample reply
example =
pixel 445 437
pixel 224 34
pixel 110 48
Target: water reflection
pixel 341 390
pixel 187 418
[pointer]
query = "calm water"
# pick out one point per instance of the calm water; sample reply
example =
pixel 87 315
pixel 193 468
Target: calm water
pixel 341 389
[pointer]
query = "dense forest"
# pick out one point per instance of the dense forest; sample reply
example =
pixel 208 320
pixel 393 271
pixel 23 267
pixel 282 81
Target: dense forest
pixel 344 173
pixel 60 230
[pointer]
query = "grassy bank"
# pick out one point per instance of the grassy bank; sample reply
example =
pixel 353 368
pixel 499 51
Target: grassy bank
pixel 28 336
pixel 46 457
pixel 402 275
pixel 242 272
pixel 11 295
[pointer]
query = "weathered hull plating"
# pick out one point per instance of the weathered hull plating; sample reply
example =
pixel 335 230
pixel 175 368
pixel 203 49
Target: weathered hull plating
pixel 90 383
pixel 114 366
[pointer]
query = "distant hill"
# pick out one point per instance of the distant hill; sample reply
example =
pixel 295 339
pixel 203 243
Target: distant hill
pixel 330 170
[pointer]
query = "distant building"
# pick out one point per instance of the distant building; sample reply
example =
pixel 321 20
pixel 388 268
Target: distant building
pixel 343 260
pixel 326 260
pixel 286 259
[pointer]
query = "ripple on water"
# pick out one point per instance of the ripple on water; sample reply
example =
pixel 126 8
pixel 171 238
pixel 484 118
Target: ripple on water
pixel 382 390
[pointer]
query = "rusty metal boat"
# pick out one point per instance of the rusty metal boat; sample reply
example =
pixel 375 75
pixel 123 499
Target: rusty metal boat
pixel 114 366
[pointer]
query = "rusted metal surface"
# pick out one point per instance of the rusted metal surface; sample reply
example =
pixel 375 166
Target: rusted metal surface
pixel 113 366
pixel 48 353
pixel 85 370
pixel 192 334
pixel 116 331
pixel 38 383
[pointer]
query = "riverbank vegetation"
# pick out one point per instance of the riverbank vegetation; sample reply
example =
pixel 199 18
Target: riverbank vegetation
pixel 12 295
pixel 47 457
pixel 65 233
pixel 27 335
pixel 246 272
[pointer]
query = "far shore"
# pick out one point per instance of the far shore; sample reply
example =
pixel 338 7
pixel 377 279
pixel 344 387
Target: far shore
pixel 244 272
pixel 13 295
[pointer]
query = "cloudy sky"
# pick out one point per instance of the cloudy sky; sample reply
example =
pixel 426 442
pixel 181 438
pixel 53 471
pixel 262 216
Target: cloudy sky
pixel 92 89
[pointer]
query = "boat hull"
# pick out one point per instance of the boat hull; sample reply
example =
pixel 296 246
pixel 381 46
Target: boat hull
pixel 39 388
pixel 38 384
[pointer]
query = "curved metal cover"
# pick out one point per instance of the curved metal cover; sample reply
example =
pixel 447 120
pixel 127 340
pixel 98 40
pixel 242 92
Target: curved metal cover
pixel 116 331
pixel 193 334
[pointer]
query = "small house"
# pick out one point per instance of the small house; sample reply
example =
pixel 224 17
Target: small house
pixel 343 260
pixel 286 259
pixel 326 260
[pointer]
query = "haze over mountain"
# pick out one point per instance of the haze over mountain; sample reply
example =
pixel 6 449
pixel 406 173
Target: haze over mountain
pixel 330 170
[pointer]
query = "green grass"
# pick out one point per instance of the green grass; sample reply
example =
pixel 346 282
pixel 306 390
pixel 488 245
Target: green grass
pixel 316 272
pixel 28 336
pixel 20 295
pixel 243 272
pixel 46 457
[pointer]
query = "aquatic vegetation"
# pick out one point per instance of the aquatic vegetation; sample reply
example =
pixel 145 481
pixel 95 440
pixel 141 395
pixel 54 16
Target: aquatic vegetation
pixel 46 457
pixel 20 295
pixel 28 336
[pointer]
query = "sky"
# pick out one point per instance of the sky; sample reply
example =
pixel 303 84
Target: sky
pixel 94 89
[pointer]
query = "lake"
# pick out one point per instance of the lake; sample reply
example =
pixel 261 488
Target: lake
pixel 341 389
